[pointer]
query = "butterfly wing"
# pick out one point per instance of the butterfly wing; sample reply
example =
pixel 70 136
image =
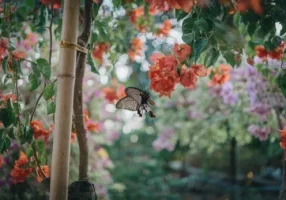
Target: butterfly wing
pixel 128 103
pixel 137 94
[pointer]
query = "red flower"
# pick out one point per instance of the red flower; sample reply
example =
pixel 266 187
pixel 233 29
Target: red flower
pixel 92 126
pixel 283 138
pixel 165 29
pixel 56 4
pixel 164 75
pixel 200 70
pixel 220 75
pixel 23 160
pixel 39 130
pixel 20 174
pixel 182 51
pixel 188 78
pixel 45 170
pixel 136 48
pixel 110 94
pixel 99 50
pixel 17 54
pixel 73 136
pixel 277 53
pixel 155 57
pixel 1 161
pixel 261 52
pixel 3 45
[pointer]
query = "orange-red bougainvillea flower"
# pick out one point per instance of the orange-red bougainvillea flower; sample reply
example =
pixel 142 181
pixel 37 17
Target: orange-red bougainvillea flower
pixel 182 51
pixel 19 174
pixel 165 29
pixel 188 77
pixel 92 126
pixel 277 53
pixel 56 4
pixel 136 48
pixel 164 5
pixel 164 75
pixel 45 170
pixel 99 50
pixel 220 75
pixel 1 161
pixel 3 45
pixel 112 94
pixel 73 136
pixel 244 5
pixel 283 138
pixel 39 130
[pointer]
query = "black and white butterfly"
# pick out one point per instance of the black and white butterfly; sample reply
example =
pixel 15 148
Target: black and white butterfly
pixel 136 100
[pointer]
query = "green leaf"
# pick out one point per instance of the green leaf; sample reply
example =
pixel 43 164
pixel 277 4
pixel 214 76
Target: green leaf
pixel 6 78
pixel 92 64
pixel 4 65
pixel 44 67
pixel 230 58
pixel 189 38
pixel 41 146
pixel 4 144
pixel 10 132
pixel 7 115
pixel 199 46
pixel 49 91
pixel 197 25
pixel 34 81
pixel 51 108
pixel 211 57
pixel 36 69
pixel 30 3
pixel 93 37
pixel 27 134
pixel 180 14
pixel 97 6
pixel 281 81
pixel 17 107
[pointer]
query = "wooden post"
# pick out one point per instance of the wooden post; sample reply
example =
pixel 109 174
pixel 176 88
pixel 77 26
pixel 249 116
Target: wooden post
pixel 64 103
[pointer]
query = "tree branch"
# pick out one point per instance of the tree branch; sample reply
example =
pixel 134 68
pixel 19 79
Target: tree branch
pixel 78 109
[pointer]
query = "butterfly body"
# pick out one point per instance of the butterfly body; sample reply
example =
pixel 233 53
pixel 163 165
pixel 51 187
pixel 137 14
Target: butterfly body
pixel 136 100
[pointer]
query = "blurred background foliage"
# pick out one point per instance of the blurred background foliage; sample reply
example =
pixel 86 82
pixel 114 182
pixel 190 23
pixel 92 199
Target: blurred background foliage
pixel 205 143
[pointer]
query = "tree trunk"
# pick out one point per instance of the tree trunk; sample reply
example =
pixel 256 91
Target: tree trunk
pixel 64 104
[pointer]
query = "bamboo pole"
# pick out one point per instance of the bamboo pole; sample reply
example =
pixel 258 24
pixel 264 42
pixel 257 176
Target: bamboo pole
pixel 64 104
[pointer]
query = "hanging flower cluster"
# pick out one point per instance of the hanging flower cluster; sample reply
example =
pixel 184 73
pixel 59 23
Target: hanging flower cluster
pixel 22 169
pixel 164 73
pixel 136 48
pixel 39 130
pixel 277 53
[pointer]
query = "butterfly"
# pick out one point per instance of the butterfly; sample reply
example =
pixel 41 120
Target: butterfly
pixel 136 100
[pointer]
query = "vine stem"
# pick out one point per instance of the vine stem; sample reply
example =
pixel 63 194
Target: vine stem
pixel 34 147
